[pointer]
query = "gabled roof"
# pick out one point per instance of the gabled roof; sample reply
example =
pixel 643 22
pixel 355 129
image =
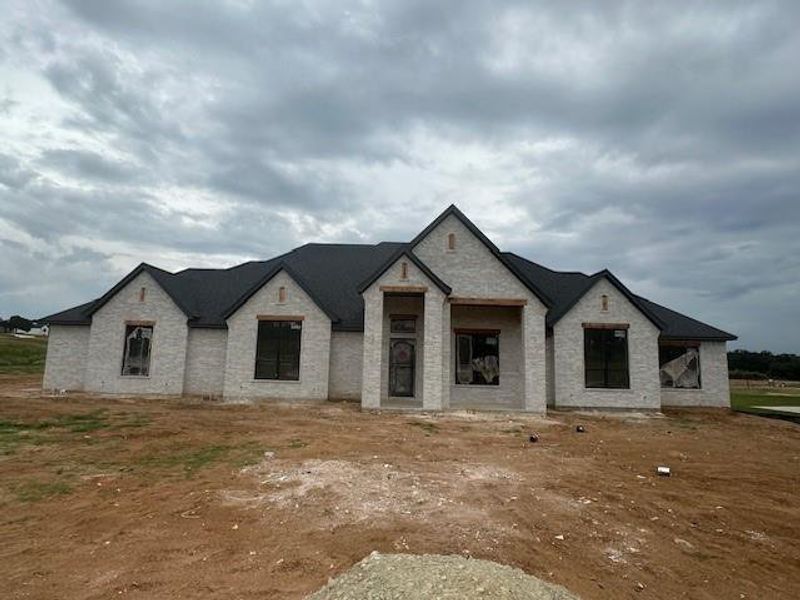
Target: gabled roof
pixel 283 265
pixel 453 210
pixel 405 251
pixel 334 275
pixel 162 277
pixel 567 288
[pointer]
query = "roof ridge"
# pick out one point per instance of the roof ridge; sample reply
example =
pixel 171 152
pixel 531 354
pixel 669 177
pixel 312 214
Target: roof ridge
pixel 541 266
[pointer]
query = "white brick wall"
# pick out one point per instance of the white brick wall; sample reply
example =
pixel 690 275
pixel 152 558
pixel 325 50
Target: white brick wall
pixel 510 392
pixel 472 271
pixel 107 340
pixel 240 382
pixel 205 361
pixel 65 366
pixel 347 357
pixel 376 336
pixel 713 379
pixel 393 305
pixel 570 390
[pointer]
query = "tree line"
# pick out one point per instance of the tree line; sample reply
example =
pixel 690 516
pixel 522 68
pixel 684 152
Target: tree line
pixel 743 364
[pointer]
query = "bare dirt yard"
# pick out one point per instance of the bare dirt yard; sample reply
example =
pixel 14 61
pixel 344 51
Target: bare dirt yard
pixel 153 498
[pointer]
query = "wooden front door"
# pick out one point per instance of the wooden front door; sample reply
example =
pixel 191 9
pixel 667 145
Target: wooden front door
pixel 401 367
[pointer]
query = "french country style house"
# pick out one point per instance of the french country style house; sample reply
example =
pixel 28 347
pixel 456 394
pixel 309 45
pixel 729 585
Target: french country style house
pixel 445 321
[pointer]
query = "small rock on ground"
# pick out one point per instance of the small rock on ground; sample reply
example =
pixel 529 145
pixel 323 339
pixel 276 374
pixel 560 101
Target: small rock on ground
pixel 408 577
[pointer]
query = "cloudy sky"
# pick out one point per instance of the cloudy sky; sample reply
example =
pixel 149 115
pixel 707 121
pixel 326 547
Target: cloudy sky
pixel 659 140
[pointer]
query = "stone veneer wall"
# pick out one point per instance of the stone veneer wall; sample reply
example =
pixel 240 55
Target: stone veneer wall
pixel 570 390
pixel 715 390
pixel 65 366
pixel 240 382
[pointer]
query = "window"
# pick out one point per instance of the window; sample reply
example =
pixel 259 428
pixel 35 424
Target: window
pixel 478 358
pixel 604 303
pixel 142 294
pixel 606 358
pixel 403 324
pixel 451 241
pixel 404 270
pixel 278 350
pixel 679 366
pixel 281 294
pixel 136 355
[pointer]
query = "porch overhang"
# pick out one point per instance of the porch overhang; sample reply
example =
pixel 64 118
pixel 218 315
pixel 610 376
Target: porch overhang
pixel 464 301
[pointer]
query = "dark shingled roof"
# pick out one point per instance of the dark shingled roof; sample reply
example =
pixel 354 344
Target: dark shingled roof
pixel 333 275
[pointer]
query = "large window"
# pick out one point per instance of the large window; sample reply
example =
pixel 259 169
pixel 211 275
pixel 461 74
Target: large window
pixel 136 355
pixel 478 358
pixel 679 366
pixel 606 357
pixel 278 350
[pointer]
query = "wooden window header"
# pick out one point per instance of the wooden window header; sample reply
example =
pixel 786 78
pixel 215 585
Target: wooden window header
pixel 488 301
pixel 476 330
pixel 404 289
pixel 280 317
pixel 141 323
pixel 606 325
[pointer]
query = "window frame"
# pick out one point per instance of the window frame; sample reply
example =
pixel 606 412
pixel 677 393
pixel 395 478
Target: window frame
pixel 608 332
pixel 130 327
pixel 684 345
pixel 403 319
pixel 282 341
pixel 471 333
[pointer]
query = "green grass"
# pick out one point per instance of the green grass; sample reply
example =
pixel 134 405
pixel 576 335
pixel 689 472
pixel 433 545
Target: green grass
pixel 746 399
pixel 191 460
pixel 33 491
pixel 21 355
pixel 426 426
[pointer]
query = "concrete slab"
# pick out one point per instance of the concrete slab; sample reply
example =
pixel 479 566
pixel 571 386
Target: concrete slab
pixel 784 409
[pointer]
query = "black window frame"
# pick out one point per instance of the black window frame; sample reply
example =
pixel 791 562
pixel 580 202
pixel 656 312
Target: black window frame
pixel 668 348
pixel 144 353
pixel 611 379
pixel 285 338
pixel 482 335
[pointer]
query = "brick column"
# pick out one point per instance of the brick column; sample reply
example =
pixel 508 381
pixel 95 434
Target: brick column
pixel 533 366
pixel 433 382
pixel 373 349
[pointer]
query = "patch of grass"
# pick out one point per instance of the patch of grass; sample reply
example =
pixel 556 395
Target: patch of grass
pixel 745 400
pixel 34 491
pixel 22 355
pixel 426 426
pixel 190 461
pixel 297 443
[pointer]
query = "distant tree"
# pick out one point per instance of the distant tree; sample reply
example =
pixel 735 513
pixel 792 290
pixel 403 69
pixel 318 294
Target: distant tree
pixel 775 366
pixel 17 322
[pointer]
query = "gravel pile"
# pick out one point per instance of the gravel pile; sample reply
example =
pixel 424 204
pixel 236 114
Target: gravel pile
pixel 407 576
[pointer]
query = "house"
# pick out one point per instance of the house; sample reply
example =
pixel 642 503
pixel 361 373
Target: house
pixel 445 321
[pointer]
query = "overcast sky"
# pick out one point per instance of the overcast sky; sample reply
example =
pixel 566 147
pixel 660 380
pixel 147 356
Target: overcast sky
pixel 659 140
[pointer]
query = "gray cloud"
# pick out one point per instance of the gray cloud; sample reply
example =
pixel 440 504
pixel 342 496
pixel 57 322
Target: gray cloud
pixel 659 141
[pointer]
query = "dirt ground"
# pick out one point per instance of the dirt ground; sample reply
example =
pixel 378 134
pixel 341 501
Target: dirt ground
pixel 152 498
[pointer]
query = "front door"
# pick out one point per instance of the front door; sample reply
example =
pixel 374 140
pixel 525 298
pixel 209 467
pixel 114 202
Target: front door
pixel 401 367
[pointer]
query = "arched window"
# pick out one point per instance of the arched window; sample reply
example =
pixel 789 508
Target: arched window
pixel 142 294
pixel 451 241
pixel 282 294
pixel 404 270
pixel 604 303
